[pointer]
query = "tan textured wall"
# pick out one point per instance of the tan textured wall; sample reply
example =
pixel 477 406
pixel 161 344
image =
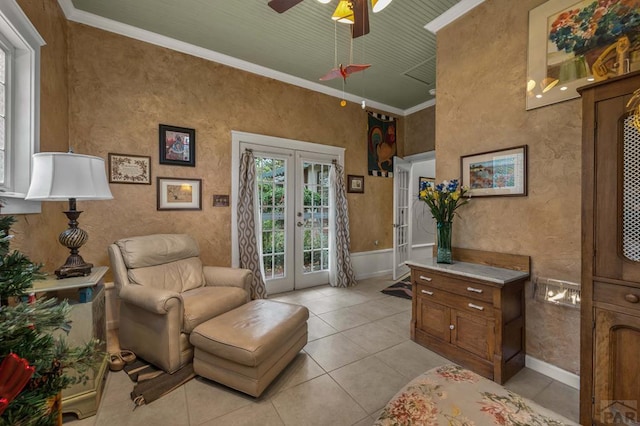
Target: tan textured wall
pixel 37 235
pixel 420 131
pixel 482 60
pixel 121 89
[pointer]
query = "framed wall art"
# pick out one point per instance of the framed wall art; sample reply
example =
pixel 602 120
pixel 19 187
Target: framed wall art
pixel 355 184
pixel 177 146
pixel 426 181
pixel 126 168
pixel 493 173
pixel 574 42
pixel 179 194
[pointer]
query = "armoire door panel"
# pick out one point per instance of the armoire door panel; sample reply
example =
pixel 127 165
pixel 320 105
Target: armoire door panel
pixel 617 369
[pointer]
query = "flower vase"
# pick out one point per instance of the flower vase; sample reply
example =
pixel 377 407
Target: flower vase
pixel 444 242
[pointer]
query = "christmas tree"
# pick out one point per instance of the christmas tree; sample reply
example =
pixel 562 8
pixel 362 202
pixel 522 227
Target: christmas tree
pixel 28 344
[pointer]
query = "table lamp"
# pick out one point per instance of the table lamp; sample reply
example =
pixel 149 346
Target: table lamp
pixel 59 176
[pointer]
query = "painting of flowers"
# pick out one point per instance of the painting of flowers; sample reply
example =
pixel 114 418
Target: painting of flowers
pixel 572 43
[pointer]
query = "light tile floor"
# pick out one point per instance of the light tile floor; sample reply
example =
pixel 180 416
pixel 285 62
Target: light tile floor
pixel 358 356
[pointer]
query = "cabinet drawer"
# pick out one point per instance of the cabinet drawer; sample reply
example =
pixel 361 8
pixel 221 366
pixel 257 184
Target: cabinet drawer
pixel 458 286
pixel 628 297
pixel 455 301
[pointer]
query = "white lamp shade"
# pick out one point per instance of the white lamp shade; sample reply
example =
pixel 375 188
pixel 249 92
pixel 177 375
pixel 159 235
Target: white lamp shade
pixel 59 176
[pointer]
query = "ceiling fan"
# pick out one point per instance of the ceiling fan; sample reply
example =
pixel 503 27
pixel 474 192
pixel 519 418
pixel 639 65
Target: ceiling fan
pixel 354 12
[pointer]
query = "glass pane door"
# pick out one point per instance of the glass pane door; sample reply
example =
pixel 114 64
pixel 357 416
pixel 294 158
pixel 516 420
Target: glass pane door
pixel 312 220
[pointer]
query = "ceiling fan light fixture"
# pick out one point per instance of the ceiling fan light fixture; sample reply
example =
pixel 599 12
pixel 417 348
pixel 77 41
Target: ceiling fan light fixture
pixel 343 13
pixel 378 5
pixel 324 1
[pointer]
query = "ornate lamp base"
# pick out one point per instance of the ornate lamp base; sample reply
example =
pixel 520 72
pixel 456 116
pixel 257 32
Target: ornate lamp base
pixel 73 238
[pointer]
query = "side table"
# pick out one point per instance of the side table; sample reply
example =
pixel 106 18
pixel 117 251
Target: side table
pixel 86 298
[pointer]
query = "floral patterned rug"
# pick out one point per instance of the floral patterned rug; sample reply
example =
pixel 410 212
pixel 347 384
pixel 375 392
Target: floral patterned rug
pixel 452 395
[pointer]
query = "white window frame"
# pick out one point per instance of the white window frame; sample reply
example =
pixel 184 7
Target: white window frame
pixel 23 107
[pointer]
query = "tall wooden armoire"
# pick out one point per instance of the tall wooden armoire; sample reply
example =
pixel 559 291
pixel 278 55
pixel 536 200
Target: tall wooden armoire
pixel 610 318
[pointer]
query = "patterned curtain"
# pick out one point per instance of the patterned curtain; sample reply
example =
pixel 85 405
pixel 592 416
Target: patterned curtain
pixel 340 270
pixel 247 240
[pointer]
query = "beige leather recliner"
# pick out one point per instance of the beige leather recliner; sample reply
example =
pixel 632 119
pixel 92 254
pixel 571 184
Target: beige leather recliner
pixel 166 292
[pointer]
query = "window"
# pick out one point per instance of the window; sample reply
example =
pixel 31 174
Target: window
pixel 19 106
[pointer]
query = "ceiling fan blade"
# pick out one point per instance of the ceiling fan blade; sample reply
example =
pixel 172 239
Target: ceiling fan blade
pixel 281 6
pixel 360 25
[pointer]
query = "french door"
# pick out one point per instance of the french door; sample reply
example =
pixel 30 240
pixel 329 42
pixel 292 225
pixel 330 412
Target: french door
pixel 401 216
pixel 293 210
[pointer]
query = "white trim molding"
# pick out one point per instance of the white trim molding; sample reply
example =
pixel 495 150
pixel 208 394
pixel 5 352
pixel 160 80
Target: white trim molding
pixel 452 14
pixel 375 263
pixel 23 105
pixel 550 370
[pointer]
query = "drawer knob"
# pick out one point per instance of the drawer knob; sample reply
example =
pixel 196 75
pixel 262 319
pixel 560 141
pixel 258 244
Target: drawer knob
pixel 451 327
pixel 427 292
pixel 474 290
pixel 422 277
pixel 478 307
pixel 631 298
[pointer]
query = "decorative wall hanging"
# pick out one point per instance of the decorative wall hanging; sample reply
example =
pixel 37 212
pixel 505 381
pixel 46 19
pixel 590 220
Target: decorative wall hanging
pixel 125 168
pixel 177 146
pixel 355 184
pixel 502 172
pixel 574 42
pixel 381 140
pixel 179 194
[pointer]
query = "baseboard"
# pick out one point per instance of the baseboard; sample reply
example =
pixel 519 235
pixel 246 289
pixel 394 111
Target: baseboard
pixel 550 370
pixel 369 264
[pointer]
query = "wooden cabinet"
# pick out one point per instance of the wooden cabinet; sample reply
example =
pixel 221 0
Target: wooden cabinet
pixel 610 316
pixel 471 313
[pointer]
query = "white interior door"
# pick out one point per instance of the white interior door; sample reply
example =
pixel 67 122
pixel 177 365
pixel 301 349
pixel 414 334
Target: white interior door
pixel 401 216
pixel 294 203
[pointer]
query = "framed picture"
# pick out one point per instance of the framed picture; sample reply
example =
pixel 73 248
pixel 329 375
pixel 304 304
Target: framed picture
pixel 125 168
pixel 426 181
pixel 502 172
pixel 177 146
pixel 355 184
pixel 574 42
pixel 179 194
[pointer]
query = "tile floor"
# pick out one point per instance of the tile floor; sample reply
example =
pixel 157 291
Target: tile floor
pixel 358 356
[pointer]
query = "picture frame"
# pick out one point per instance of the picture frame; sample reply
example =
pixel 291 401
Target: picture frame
pixel 179 193
pixel 355 184
pixel 429 180
pixel 177 145
pixel 566 40
pixel 495 173
pixel 128 168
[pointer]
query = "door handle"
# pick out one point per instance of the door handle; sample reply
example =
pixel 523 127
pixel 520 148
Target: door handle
pixel 299 224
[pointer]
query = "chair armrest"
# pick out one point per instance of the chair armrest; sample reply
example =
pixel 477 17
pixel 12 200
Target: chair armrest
pixel 157 301
pixel 227 277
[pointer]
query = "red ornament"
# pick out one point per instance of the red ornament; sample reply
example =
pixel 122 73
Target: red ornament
pixel 15 373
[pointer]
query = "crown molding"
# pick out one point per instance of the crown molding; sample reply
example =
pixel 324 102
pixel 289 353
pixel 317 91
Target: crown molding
pixel 452 14
pixel 82 17
pixel 420 107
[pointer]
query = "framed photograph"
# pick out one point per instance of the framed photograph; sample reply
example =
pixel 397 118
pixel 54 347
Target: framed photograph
pixel 428 181
pixel 355 184
pixel 502 172
pixel 125 168
pixel 179 194
pixel 568 37
pixel 177 146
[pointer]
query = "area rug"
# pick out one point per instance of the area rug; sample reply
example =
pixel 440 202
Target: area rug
pixel 400 288
pixel 152 383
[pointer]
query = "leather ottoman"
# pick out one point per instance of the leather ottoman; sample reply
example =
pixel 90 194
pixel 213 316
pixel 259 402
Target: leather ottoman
pixel 246 348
